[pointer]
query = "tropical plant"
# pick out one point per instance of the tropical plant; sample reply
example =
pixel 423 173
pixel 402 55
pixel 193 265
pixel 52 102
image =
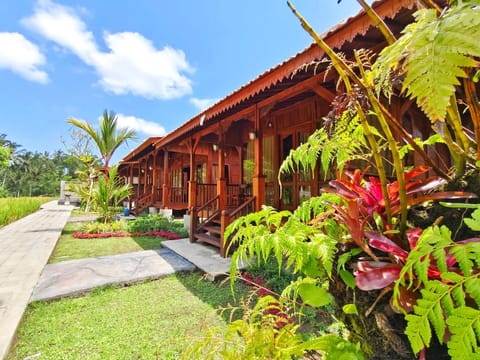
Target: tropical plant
pixel 267 331
pixel 108 192
pixel 435 56
pixel 80 148
pixel 447 274
pixel 109 137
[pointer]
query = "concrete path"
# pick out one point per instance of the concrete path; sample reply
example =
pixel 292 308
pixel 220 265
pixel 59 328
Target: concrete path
pixel 25 247
pixel 79 276
pixel 205 257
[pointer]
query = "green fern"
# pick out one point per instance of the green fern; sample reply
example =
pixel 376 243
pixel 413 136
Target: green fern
pixel 302 247
pixel 345 143
pixel 267 332
pixel 433 53
pixel 295 240
pixel 443 301
pixel 464 325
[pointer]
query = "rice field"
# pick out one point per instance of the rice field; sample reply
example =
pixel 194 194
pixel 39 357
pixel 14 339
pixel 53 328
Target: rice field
pixel 12 209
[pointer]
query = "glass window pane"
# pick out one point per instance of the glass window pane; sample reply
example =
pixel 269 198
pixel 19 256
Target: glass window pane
pixel 248 165
pixel 268 159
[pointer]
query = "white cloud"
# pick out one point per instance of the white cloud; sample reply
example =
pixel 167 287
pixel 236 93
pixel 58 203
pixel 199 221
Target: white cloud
pixel 140 125
pixel 202 104
pixel 133 64
pixel 22 57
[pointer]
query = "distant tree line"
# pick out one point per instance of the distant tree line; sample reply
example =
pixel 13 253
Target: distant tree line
pixel 27 173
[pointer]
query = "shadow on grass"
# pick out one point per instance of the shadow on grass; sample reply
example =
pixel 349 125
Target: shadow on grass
pixel 215 293
pixel 148 242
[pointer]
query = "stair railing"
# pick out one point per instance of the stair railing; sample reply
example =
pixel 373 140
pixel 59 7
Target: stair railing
pixel 199 216
pixel 248 206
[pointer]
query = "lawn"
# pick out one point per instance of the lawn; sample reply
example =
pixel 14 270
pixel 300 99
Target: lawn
pixel 152 320
pixel 70 248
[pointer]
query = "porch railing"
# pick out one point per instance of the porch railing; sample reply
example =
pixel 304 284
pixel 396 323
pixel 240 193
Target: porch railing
pixel 178 195
pixel 159 195
pixel 205 193
pixel 237 194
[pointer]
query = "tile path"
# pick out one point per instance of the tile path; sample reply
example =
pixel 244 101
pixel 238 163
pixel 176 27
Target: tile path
pixel 25 247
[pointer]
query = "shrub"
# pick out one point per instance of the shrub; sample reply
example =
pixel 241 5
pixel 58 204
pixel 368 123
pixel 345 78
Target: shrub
pixel 151 222
pixel 100 227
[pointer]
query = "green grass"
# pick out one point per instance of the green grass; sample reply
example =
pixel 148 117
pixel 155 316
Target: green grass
pixel 70 248
pixel 157 319
pixel 12 209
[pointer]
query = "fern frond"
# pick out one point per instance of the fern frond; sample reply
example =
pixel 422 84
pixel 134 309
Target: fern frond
pixel 333 150
pixel 433 241
pixel 288 237
pixel 433 52
pixel 427 311
pixel 464 325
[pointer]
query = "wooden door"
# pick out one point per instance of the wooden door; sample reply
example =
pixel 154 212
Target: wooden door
pixel 296 186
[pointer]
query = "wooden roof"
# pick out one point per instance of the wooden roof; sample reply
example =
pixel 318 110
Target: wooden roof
pixel 146 146
pixel 357 31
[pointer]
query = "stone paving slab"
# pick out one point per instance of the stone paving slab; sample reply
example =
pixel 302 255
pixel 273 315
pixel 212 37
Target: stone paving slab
pixel 206 257
pixel 25 247
pixel 76 277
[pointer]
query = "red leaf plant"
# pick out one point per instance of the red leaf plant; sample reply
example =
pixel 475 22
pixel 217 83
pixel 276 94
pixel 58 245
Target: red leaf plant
pixel 362 198
pixel 376 275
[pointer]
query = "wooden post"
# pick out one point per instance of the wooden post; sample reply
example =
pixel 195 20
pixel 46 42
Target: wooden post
pixel 258 177
pixel 145 174
pixel 221 182
pixel 131 184
pixel 224 220
pixel 165 179
pixel 192 183
pixel 154 177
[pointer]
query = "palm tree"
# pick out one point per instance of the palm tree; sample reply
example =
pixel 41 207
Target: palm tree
pixel 108 138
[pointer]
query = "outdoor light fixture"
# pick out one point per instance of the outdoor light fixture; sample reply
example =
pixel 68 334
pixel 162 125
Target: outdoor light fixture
pixel 269 124
pixel 215 147
pixel 252 135
pixel 150 168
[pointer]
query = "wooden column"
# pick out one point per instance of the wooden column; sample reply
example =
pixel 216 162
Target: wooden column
pixel 145 169
pixel 165 179
pixel 192 183
pixel 131 184
pixel 221 182
pixel 258 177
pixel 154 177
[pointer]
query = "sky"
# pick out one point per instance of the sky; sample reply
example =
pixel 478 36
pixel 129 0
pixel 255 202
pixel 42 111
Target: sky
pixel 155 63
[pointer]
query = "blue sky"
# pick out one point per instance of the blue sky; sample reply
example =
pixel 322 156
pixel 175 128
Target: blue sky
pixel 155 63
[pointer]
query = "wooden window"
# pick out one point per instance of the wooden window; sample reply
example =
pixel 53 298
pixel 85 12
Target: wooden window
pixel 201 173
pixel 268 156
pixel 177 179
pixel 248 163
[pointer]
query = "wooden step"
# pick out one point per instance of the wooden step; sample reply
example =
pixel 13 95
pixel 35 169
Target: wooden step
pixel 212 229
pixel 212 240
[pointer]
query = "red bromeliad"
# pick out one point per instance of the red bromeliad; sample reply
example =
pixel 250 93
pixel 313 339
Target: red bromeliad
pixel 375 275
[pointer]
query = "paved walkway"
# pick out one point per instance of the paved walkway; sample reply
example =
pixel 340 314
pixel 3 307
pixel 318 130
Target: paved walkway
pixel 79 276
pixel 25 247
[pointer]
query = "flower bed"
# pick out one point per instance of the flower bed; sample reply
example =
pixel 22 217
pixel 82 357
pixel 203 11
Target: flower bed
pixel 165 234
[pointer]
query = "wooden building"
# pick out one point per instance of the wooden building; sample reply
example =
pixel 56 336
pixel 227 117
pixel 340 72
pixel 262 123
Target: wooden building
pixel 224 162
